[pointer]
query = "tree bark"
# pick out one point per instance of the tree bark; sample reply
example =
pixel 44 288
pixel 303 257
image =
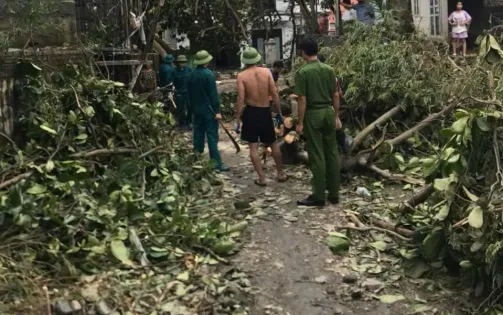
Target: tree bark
pixel 417 199
pixel 423 124
pixel 360 137
pixel 392 227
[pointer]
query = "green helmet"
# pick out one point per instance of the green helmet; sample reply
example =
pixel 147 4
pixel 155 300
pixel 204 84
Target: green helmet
pixel 202 58
pixel 169 59
pixel 250 56
pixel 181 58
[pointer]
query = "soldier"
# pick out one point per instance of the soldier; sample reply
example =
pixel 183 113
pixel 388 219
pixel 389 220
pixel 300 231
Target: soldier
pixel 316 87
pixel 166 71
pixel 181 76
pixel 203 97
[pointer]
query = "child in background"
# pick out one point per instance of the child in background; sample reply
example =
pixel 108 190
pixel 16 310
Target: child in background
pixel 459 20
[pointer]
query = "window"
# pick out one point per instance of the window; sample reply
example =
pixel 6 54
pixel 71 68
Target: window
pixel 415 7
pixel 269 5
pixel 435 17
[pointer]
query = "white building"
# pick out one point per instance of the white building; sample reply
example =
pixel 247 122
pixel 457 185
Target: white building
pixel 282 30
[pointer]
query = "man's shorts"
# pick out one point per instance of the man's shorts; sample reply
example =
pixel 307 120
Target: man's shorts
pixel 258 125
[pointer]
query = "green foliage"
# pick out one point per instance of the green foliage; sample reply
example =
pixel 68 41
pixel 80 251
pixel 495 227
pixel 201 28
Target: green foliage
pixel 97 162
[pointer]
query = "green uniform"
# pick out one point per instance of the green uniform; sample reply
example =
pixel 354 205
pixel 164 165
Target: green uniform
pixel 183 109
pixel 203 94
pixel 166 72
pixel 317 82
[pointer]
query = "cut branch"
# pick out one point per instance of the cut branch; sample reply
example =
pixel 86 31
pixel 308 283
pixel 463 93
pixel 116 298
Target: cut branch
pixel 238 20
pixel 423 124
pixel 417 199
pixel 373 228
pixel 15 180
pixel 395 177
pixel 393 227
pixel 360 137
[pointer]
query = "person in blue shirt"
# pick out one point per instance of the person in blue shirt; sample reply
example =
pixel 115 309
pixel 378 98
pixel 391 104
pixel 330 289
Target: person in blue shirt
pixel 276 70
pixel 166 71
pixel 181 76
pixel 203 97
pixel 364 12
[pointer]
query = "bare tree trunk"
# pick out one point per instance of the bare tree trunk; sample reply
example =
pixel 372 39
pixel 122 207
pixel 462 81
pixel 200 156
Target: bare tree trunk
pixel 423 124
pixel 370 128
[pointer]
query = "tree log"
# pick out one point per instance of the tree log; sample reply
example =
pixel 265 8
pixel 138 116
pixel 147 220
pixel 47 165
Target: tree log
pixel 167 47
pixel 160 50
pixel 417 199
pixel 370 128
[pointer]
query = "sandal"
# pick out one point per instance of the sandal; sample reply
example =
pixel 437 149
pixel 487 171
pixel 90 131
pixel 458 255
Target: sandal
pixel 258 183
pixel 284 179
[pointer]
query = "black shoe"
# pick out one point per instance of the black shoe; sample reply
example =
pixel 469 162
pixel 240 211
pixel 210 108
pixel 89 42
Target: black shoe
pixel 334 201
pixel 309 202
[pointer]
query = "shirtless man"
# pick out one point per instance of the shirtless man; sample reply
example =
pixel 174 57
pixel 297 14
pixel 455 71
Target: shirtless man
pixel 255 85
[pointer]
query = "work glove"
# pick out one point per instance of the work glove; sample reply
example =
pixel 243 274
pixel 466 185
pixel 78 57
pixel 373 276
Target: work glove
pixel 237 127
pixel 279 119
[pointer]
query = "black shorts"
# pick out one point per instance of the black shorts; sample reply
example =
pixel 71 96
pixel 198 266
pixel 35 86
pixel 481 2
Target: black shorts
pixel 258 125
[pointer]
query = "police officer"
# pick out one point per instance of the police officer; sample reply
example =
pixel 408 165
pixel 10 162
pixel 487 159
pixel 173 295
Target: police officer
pixel 316 87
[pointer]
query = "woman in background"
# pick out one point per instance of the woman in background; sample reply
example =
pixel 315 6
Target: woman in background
pixel 459 20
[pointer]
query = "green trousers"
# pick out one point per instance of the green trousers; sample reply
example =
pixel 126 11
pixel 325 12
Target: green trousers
pixel 321 145
pixel 207 126
pixel 183 109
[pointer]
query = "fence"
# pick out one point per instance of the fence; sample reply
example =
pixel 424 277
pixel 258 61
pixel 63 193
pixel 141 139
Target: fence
pixel 46 59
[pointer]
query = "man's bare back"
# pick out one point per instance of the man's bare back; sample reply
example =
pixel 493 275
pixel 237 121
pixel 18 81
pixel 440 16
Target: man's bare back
pixel 257 84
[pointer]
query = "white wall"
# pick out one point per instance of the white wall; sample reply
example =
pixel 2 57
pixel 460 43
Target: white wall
pixel 422 18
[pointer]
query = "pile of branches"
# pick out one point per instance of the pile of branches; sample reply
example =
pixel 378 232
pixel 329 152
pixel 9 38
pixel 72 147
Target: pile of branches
pixel 434 124
pixel 96 179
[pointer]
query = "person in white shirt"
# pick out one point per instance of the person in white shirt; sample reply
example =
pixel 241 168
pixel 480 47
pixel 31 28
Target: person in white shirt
pixel 460 20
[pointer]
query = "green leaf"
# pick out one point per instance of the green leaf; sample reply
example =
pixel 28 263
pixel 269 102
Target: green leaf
pixel 390 299
pixel 459 125
pixel 48 129
pixel 82 136
pixel 379 245
pixel 413 162
pixel 184 276
pixel 416 269
pixel 476 246
pixel 441 184
pixel 483 124
pixel 443 213
pixel 471 196
pixel 433 245
pixel 36 190
pixel 476 217
pixel 120 252
pixel 337 244
pixel 49 166
pixel 466 264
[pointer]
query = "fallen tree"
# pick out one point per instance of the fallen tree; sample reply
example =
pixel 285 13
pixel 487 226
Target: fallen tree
pixel 422 119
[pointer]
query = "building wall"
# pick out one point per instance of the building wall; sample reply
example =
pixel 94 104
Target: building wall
pixel 422 17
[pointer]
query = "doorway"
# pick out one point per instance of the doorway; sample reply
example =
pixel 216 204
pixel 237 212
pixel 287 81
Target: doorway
pixel 480 20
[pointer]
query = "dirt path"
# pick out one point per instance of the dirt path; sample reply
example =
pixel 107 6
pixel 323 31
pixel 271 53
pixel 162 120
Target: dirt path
pixel 294 272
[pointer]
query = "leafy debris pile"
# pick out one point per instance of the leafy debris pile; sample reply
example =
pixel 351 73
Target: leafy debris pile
pixel 97 180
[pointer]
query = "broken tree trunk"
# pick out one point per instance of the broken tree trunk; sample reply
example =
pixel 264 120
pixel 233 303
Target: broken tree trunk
pixel 158 48
pixel 360 137
pixel 167 47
